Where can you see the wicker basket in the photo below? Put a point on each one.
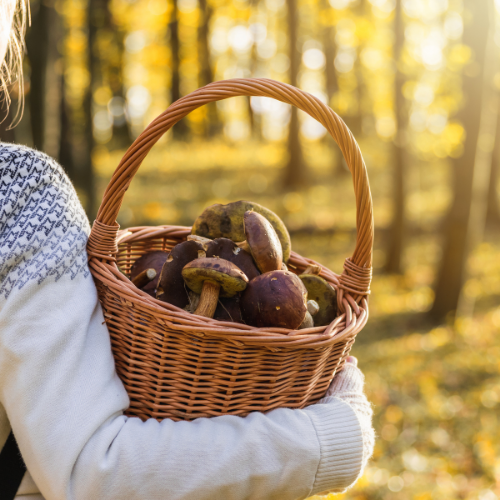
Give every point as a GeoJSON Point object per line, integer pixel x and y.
{"type": "Point", "coordinates": [181, 366]}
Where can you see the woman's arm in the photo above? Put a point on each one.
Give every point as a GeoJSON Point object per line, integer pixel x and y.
{"type": "Point", "coordinates": [64, 401]}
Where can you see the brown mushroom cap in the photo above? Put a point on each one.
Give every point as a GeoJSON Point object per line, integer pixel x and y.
{"type": "Point", "coordinates": [325, 295]}
{"type": "Point", "coordinates": [171, 287]}
{"type": "Point", "coordinates": [277, 298]}
{"type": "Point", "coordinates": [229, 250]}
{"type": "Point", "coordinates": [263, 242]}
{"type": "Point", "coordinates": [229, 277]}
{"type": "Point", "coordinates": [154, 260]}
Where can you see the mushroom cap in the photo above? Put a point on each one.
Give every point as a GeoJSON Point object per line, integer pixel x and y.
{"type": "Point", "coordinates": [277, 298]}
{"type": "Point", "coordinates": [324, 294]}
{"type": "Point", "coordinates": [171, 287]}
{"type": "Point", "coordinates": [227, 221]}
{"type": "Point", "coordinates": [230, 277]}
{"type": "Point", "coordinates": [154, 260]}
{"type": "Point", "coordinates": [263, 242]}
{"type": "Point", "coordinates": [229, 250]}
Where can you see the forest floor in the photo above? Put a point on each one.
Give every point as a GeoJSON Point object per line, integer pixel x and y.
{"type": "Point", "coordinates": [435, 389]}
{"type": "Point", "coordinates": [435, 393]}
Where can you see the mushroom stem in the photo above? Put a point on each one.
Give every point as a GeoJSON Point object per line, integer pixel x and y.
{"type": "Point", "coordinates": [245, 246]}
{"type": "Point", "coordinates": [312, 307]}
{"type": "Point", "coordinates": [199, 239]}
{"type": "Point", "coordinates": [307, 323]}
{"type": "Point", "coordinates": [142, 279]}
{"type": "Point", "coordinates": [208, 299]}
{"type": "Point", "coordinates": [312, 269]}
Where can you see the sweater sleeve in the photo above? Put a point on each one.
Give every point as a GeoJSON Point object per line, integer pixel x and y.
{"type": "Point", "coordinates": [61, 394]}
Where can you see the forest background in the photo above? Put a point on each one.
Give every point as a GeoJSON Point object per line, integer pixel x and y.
{"type": "Point", "coordinates": [417, 82]}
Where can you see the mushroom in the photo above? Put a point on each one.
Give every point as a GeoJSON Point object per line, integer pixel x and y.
{"type": "Point", "coordinates": [262, 242]}
{"type": "Point", "coordinates": [276, 298]}
{"type": "Point", "coordinates": [227, 221]}
{"type": "Point", "coordinates": [312, 269]}
{"type": "Point", "coordinates": [229, 250]}
{"type": "Point", "coordinates": [199, 239]}
{"type": "Point", "coordinates": [312, 309]}
{"type": "Point", "coordinates": [151, 260]}
{"type": "Point", "coordinates": [171, 286]}
{"type": "Point", "coordinates": [307, 323]}
{"type": "Point", "coordinates": [210, 277]}
{"type": "Point", "coordinates": [324, 294]}
{"type": "Point", "coordinates": [144, 278]}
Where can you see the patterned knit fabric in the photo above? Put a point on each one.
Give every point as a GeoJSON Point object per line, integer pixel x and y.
{"type": "Point", "coordinates": [43, 227]}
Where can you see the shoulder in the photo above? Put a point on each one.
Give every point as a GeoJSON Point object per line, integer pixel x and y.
{"type": "Point", "coordinates": [43, 227]}
{"type": "Point", "coordinates": [20, 164]}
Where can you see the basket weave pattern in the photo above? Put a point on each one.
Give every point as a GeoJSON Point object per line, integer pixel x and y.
{"type": "Point", "coordinates": [181, 366]}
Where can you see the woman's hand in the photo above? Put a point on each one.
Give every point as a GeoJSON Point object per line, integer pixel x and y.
{"type": "Point", "coordinates": [352, 360]}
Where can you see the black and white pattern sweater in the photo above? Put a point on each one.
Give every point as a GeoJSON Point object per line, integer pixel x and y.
{"type": "Point", "coordinates": [44, 229]}
{"type": "Point", "coordinates": [60, 394]}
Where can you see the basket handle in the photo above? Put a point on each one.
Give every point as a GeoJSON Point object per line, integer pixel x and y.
{"type": "Point", "coordinates": [102, 241]}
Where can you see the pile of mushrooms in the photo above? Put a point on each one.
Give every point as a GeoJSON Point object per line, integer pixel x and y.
{"type": "Point", "coordinates": [233, 268]}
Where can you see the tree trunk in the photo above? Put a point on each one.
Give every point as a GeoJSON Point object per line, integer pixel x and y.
{"type": "Point", "coordinates": [44, 91]}
{"type": "Point", "coordinates": [180, 130]}
{"type": "Point", "coordinates": [6, 116]}
{"type": "Point", "coordinates": [212, 124]}
{"type": "Point", "coordinates": [493, 208]}
{"type": "Point", "coordinates": [295, 175]}
{"type": "Point", "coordinates": [65, 155]}
{"type": "Point", "coordinates": [331, 84]}
{"type": "Point", "coordinates": [95, 20]}
{"type": "Point", "coordinates": [397, 228]}
{"type": "Point", "coordinates": [330, 51]}
{"type": "Point", "coordinates": [113, 64]}
{"type": "Point", "coordinates": [254, 119]}
{"type": "Point", "coordinates": [458, 227]}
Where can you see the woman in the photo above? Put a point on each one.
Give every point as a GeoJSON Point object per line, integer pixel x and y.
{"type": "Point", "coordinates": [60, 394]}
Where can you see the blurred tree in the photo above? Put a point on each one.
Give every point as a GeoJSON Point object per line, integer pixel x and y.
{"type": "Point", "coordinates": [111, 62]}
{"type": "Point", "coordinates": [397, 229]}
{"type": "Point", "coordinates": [331, 81]}
{"type": "Point", "coordinates": [355, 122]}
{"type": "Point", "coordinates": [180, 130]}
{"type": "Point", "coordinates": [253, 118]}
{"type": "Point", "coordinates": [330, 51]}
{"type": "Point", "coordinates": [455, 249]}
{"type": "Point", "coordinates": [206, 75]}
{"type": "Point", "coordinates": [41, 42]}
{"type": "Point", "coordinates": [295, 174]}
{"type": "Point", "coordinates": [493, 208]}
{"type": "Point", "coordinates": [7, 134]}
{"type": "Point", "coordinates": [65, 156]}
{"type": "Point", "coordinates": [96, 20]}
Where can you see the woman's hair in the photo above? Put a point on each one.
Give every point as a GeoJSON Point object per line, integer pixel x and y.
{"type": "Point", "coordinates": [11, 67]}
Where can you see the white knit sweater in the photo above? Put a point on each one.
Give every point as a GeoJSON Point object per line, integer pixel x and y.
{"type": "Point", "coordinates": [60, 393]}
